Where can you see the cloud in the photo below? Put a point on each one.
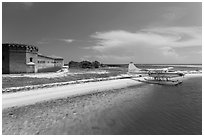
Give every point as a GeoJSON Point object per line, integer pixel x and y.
{"type": "Point", "coordinates": [67, 40]}
{"type": "Point", "coordinates": [46, 41]}
{"type": "Point", "coordinates": [180, 36]}
{"type": "Point", "coordinates": [173, 13]}
{"type": "Point", "coordinates": [27, 5]}
{"type": "Point", "coordinates": [168, 51]}
{"type": "Point", "coordinates": [42, 42]}
{"type": "Point", "coordinates": [150, 44]}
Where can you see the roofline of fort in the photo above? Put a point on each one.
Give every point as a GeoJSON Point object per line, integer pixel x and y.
{"type": "Point", "coordinates": [50, 57]}
{"type": "Point", "coordinates": [20, 45]}
{"type": "Point", "coordinates": [29, 47]}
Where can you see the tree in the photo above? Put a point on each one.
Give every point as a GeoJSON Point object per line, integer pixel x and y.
{"type": "Point", "coordinates": [86, 64]}
{"type": "Point", "coordinates": [96, 64]}
{"type": "Point", "coordinates": [73, 64]}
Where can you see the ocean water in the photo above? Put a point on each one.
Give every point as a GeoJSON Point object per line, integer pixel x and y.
{"type": "Point", "coordinates": [162, 110]}
{"type": "Point", "coordinates": [176, 67]}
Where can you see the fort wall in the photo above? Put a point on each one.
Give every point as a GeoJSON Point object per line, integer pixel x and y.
{"type": "Point", "coordinates": [58, 62]}
{"type": "Point", "coordinates": [45, 62]}
{"type": "Point", "coordinates": [21, 58]}
{"type": "Point", "coordinates": [5, 60]}
{"type": "Point", "coordinates": [17, 62]}
{"type": "Point", "coordinates": [31, 60]}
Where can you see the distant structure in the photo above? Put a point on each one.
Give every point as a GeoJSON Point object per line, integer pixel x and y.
{"type": "Point", "coordinates": [21, 58]}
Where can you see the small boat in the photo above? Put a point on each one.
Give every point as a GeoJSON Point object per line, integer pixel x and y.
{"type": "Point", "coordinates": [162, 82]}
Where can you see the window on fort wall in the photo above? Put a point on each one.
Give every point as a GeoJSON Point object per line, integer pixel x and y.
{"type": "Point", "coordinates": [31, 59]}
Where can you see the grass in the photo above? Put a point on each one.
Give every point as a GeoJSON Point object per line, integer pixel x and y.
{"type": "Point", "coordinates": [8, 82]}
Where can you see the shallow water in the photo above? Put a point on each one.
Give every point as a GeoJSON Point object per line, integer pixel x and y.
{"type": "Point", "coordinates": [144, 109]}
{"type": "Point", "coordinates": [160, 109]}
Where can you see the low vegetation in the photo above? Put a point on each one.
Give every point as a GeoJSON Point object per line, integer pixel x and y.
{"type": "Point", "coordinates": [85, 64]}
{"type": "Point", "coordinates": [73, 75]}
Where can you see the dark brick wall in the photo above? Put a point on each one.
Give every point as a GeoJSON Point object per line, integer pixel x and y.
{"type": "Point", "coordinates": [5, 60]}
{"type": "Point", "coordinates": [17, 61]}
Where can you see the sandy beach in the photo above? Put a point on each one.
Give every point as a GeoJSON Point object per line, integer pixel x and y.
{"type": "Point", "coordinates": [39, 95]}
{"type": "Point", "coordinates": [75, 115]}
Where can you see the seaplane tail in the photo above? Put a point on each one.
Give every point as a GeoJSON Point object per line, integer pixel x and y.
{"type": "Point", "coordinates": [132, 68]}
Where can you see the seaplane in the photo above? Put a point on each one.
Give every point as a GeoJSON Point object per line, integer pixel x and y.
{"type": "Point", "coordinates": [161, 76]}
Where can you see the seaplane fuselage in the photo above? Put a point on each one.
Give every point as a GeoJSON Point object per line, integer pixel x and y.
{"type": "Point", "coordinates": [163, 72]}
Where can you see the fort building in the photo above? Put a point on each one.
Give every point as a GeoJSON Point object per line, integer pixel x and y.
{"type": "Point", "coordinates": [21, 58]}
{"type": "Point", "coordinates": [49, 63]}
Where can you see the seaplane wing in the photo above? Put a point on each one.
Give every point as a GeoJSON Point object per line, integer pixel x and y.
{"type": "Point", "coordinates": [163, 72]}
{"type": "Point", "coordinates": [158, 70]}
{"type": "Point", "coordinates": [166, 74]}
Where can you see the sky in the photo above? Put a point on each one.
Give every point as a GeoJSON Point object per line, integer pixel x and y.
{"type": "Point", "coordinates": [111, 33]}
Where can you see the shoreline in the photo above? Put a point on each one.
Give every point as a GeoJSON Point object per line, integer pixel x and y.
{"type": "Point", "coordinates": [51, 85]}
{"type": "Point", "coordinates": [75, 89]}
{"type": "Point", "coordinates": [39, 95]}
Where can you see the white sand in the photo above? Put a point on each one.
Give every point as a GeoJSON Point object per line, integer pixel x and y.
{"type": "Point", "coordinates": [38, 95]}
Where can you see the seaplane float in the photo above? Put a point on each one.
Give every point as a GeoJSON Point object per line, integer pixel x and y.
{"type": "Point", "coordinates": [161, 76]}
